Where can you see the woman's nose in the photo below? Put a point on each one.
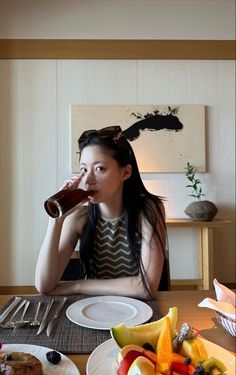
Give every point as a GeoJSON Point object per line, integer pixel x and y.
{"type": "Point", "coordinates": [89, 179]}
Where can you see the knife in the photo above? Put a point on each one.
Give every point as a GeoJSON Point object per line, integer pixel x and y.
{"type": "Point", "coordinates": [44, 320]}
{"type": "Point", "coordinates": [9, 309]}
{"type": "Point", "coordinates": [55, 317]}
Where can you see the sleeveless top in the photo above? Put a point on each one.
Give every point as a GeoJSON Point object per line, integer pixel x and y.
{"type": "Point", "coordinates": [112, 256]}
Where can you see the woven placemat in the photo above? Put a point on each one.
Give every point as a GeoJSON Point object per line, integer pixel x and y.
{"type": "Point", "coordinates": [67, 337]}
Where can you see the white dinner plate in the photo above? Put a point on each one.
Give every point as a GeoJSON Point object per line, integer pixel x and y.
{"type": "Point", "coordinates": [104, 312]}
{"type": "Point", "coordinates": [103, 359]}
{"type": "Point", "coordinates": [64, 367]}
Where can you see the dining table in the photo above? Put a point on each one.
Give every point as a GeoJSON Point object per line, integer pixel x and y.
{"type": "Point", "coordinates": [203, 319]}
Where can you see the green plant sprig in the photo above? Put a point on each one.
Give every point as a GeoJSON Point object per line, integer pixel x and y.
{"type": "Point", "coordinates": [195, 183]}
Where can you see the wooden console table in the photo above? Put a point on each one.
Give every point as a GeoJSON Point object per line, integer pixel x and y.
{"type": "Point", "coordinates": [205, 248]}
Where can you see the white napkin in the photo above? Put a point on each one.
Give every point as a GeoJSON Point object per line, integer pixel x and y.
{"type": "Point", "coordinates": [224, 294]}
{"type": "Point", "coordinates": [225, 303]}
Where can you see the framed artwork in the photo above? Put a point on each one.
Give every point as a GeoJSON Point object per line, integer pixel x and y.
{"type": "Point", "coordinates": [164, 137]}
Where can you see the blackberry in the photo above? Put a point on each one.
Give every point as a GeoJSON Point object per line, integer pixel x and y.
{"type": "Point", "coordinates": [8, 357]}
{"type": "Point", "coordinates": [53, 357]}
{"type": "Point", "coordinates": [148, 346]}
{"type": "Point", "coordinates": [200, 370]}
{"type": "Point", "coordinates": [187, 361]}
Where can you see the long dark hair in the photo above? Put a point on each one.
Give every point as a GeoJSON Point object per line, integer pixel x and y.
{"type": "Point", "coordinates": [138, 202]}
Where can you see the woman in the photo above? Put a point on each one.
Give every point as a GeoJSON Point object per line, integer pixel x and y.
{"type": "Point", "coordinates": [121, 231]}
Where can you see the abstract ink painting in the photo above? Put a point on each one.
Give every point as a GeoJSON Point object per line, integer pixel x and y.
{"type": "Point", "coordinates": [164, 137]}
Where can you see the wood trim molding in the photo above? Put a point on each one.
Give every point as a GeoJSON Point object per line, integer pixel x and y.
{"type": "Point", "coordinates": [17, 290]}
{"type": "Point", "coordinates": [117, 49]}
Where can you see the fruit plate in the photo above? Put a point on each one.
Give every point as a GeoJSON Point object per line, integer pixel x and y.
{"type": "Point", "coordinates": [64, 367]}
{"type": "Point", "coordinates": [103, 359]}
{"type": "Point", "coordinates": [105, 312]}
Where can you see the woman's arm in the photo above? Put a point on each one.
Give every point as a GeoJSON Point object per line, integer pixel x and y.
{"type": "Point", "coordinates": [59, 242]}
{"type": "Point", "coordinates": [152, 257]}
{"type": "Point", "coordinates": [125, 286]}
{"type": "Point", "coordinates": [58, 245]}
{"type": "Point", "coordinates": [54, 255]}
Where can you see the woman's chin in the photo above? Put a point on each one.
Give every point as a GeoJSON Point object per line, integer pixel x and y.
{"type": "Point", "coordinates": [93, 198]}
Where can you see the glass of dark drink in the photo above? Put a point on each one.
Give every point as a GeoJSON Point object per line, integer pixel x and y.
{"type": "Point", "coordinates": [65, 199]}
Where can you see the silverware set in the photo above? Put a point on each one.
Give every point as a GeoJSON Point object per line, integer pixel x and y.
{"type": "Point", "coordinates": [22, 322]}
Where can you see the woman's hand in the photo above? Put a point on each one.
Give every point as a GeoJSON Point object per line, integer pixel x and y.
{"type": "Point", "coordinates": [72, 183]}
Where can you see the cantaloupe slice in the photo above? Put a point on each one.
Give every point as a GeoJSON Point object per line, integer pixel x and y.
{"type": "Point", "coordinates": [144, 333]}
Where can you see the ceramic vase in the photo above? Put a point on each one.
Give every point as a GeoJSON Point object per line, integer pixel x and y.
{"type": "Point", "coordinates": [201, 210]}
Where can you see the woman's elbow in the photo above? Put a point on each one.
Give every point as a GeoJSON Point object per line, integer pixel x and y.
{"type": "Point", "coordinates": [150, 290]}
{"type": "Point", "coordinates": [42, 288]}
{"type": "Point", "coordinates": [145, 291]}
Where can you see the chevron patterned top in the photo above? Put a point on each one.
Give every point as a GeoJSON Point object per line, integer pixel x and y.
{"type": "Point", "coordinates": [112, 256]}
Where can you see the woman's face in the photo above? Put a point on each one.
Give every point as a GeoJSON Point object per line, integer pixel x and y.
{"type": "Point", "coordinates": [102, 174]}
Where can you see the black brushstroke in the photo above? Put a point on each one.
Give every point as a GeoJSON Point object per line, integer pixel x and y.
{"type": "Point", "coordinates": [152, 122]}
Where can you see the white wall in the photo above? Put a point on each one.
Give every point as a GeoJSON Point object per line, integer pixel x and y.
{"type": "Point", "coordinates": [118, 19]}
{"type": "Point", "coordinates": [35, 99]}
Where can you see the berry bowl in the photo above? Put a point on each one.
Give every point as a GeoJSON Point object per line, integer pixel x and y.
{"type": "Point", "coordinates": [228, 324]}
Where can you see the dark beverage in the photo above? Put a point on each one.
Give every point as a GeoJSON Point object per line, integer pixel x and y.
{"type": "Point", "coordinates": [61, 202]}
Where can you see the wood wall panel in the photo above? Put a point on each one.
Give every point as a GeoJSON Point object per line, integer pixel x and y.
{"type": "Point", "coordinates": [117, 49]}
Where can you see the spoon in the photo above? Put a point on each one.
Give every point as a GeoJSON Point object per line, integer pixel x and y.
{"type": "Point", "coordinates": [36, 322]}
{"type": "Point", "coordinates": [21, 323]}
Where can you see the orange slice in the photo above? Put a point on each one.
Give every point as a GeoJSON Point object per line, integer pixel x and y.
{"type": "Point", "coordinates": [164, 348]}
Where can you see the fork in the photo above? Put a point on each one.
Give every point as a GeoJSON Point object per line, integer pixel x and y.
{"type": "Point", "coordinates": [22, 322]}
{"type": "Point", "coordinates": [36, 322]}
{"type": "Point", "coordinates": [10, 323]}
